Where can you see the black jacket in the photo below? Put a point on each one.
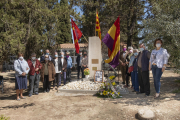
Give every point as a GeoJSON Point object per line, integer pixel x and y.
{"type": "Point", "coordinates": [60, 66]}
{"type": "Point", "coordinates": [78, 60]}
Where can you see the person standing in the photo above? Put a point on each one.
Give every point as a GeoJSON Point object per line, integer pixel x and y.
{"type": "Point", "coordinates": [47, 73]}
{"type": "Point", "coordinates": [158, 62]}
{"type": "Point", "coordinates": [21, 70]}
{"type": "Point", "coordinates": [43, 56]}
{"type": "Point", "coordinates": [84, 64]}
{"type": "Point", "coordinates": [79, 64]}
{"type": "Point", "coordinates": [34, 75]}
{"type": "Point", "coordinates": [64, 68]}
{"type": "Point", "coordinates": [134, 73]}
{"type": "Point", "coordinates": [122, 63]}
{"type": "Point", "coordinates": [69, 66]}
{"type": "Point", "coordinates": [58, 69]}
{"type": "Point", "coordinates": [127, 57]}
{"type": "Point", "coordinates": [143, 70]}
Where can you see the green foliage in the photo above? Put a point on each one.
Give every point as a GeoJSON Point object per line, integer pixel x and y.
{"type": "Point", "coordinates": [2, 117]}
{"type": "Point", "coordinates": [164, 24]}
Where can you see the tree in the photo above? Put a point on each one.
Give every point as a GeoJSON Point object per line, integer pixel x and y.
{"type": "Point", "coordinates": [164, 23]}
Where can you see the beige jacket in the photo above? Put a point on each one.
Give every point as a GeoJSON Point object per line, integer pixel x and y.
{"type": "Point", "coordinates": [85, 62]}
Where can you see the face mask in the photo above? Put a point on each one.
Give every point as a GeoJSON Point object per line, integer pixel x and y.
{"type": "Point", "coordinates": [141, 49]}
{"type": "Point", "coordinates": [67, 56]}
{"type": "Point", "coordinates": [33, 58]}
{"type": "Point", "coordinates": [47, 53]}
{"type": "Point", "coordinates": [158, 45]}
{"type": "Point", "coordinates": [130, 51]}
{"type": "Point", "coordinates": [46, 59]}
{"type": "Point", "coordinates": [62, 55]}
{"type": "Point", "coordinates": [21, 58]}
{"type": "Point", "coordinates": [56, 55]}
{"type": "Point", "coordinates": [80, 53]}
{"type": "Point", "coordinates": [124, 49]}
{"type": "Point", "coordinates": [136, 54]}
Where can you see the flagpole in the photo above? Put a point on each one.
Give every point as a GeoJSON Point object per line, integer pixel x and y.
{"type": "Point", "coordinates": [85, 38]}
{"type": "Point", "coordinates": [95, 23]}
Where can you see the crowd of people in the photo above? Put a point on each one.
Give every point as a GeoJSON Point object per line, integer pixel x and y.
{"type": "Point", "coordinates": [48, 69]}
{"type": "Point", "coordinates": [136, 65]}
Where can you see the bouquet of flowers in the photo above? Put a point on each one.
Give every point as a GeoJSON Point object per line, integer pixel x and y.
{"type": "Point", "coordinates": [86, 71]}
{"type": "Point", "coordinates": [109, 89]}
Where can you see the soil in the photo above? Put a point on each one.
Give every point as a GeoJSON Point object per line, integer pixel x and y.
{"type": "Point", "coordinates": [48, 106]}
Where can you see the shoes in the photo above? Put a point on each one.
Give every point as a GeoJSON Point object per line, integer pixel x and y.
{"type": "Point", "coordinates": [125, 86]}
{"type": "Point", "coordinates": [137, 92]}
{"type": "Point", "coordinates": [30, 95]}
{"type": "Point", "coordinates": [133, 91]}
{"type": "Point", "coordinates": [36, 93]}
{"type": "Point", "coordinates": [18, 99]}
{"type": "Point", "coordinates": [123, 82]}
{"type": "Point", "coordinates": [48, 91]}
{"type": "Point", "coordinates": [146, 95]}
{"type": "Point", "coordinates": [23, 97]}
{"type": "Point", "coordinates": [44, 91]}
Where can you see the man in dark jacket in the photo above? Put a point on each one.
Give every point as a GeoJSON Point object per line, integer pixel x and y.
{"type": "Point", "coordinates": [143, 70]}
{"type": "Point", "coordinates": [47, 53]}
{"type": "Point", "coordinates": [79, 64]}
{"type": "Point", "coordinates": [34, 75]}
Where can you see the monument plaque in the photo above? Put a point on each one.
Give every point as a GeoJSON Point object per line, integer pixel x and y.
{"type": "Point", "coordinates": [94, 55]}
{"type": "Point", "coordinates": [95, 61]}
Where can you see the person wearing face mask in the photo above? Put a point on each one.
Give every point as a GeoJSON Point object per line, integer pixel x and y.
{"type": "Point", "coordinates": [34, 75]}
{"type": "Point", "coordinates": [58, 68]}
{"type": "Point", "coordinates": [64, 68]}
{"type": "Point", "coordinates": [122, 63]}
{"type": "Point", "coordinates": [21, 70]}
{"type": "Point", "coordinates": [42, 59]}
{"type": "Point", "coordinates": [69, 66]}
{"type": "Point", "coordinates": [84, 63]}
{"type": "Point", "coordinates": [134, 73]}
{"type": "Point", "coordinates": [79, 64]}
{"type": "Point", "coordinates": [158, 62]}
{"type": "Point", "coordinates": [143, 70]}
{"type": "Point", "coordinates": [127, 57]}
{"type": "Point", "coordinates": [47, 73]}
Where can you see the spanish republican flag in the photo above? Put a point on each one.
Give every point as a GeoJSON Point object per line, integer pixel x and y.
{"type": "Point", "coordinates": [98, 26]}
{"type": "Point", "coordinates": [76, 34]}
{"type": "Point", "coordinates": [112, 41]}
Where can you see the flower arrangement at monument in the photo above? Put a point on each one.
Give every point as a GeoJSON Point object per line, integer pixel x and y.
{"type": "Point", "coordinates": [109, 89]}
{"type": "Point", "coordinates": [86, 71]}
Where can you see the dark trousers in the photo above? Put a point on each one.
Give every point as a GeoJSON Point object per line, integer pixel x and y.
{"type": "Point", "coordinates": [135, 82]}
{"type": "Point", "coordinates": [34, 83]}
{"type": "Point", "coordinates": [83, 68]}
{"type": "Point", "coordinates": [46, 83]}
{"type": "Point", "coordinates": [157, 73]}
{"type": "Point", "coordinates": [64, 77]}
{"type": "Point", "coordinates": [80, 68]}
{"type": "Point", "coordinates": [143, 77]}
{"type": "Point", "coordinates": [57, 80]}
{"type": "Point", "coordinates": [68, 74]}
{"type": "Point", "coordinates": [127, 76]}
{"type": "Point", "coordinates": [123, 72]}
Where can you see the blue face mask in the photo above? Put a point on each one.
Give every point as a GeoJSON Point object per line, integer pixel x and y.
{"type": "Point", "coordinates": [62, 55]}
{"type": "Point", "coordinates": [136, 54]}
{"type": "Point", "coordinates": [47, 53]}
{"type": "Point", "coordinates": [56, 55]}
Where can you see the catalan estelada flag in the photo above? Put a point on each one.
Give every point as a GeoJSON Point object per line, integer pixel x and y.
{"type": "Point", "coordinates": [112, 41]}
{"type": "Point", "coordinates": [98, 26]}
{"type": "Point", "coordinates": [76, 34]}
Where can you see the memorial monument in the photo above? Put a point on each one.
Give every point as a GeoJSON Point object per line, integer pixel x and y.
{"type": "Point", "coordinates": [94, 55]}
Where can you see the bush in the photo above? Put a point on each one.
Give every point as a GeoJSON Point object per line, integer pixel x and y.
{"type": "Point", "coordinates": [2, 117]}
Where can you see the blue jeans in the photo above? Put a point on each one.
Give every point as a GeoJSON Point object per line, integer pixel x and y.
{"type": "Point", "coordinates": [134, 78]}
{"type": "Point", "coordinates": [157, 73]}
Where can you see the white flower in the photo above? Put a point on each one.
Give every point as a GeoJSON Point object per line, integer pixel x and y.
{"type": "Point", "coordinates": [101, 93]}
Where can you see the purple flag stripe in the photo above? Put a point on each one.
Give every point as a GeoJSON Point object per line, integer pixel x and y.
{"type": "Point", "coordinates": [115, 62]}
{"type": "Point", "coordinates": [108, 41]}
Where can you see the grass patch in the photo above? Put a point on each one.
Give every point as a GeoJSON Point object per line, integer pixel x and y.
{"type": "Point", "coordinates": [177, 91]}
{"type": "Point", "coordinates": [2, 117]}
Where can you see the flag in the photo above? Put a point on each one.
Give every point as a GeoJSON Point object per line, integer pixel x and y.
{"type": "Point", "coordinates": [112, 41]}
{"type": "Point", "coordinates": [98, 26]}
{"type": "Point", "coordinates": [76, 34]}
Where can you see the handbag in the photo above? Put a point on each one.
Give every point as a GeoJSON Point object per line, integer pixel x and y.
{"type": "Point", "coordinates": [130, 69]}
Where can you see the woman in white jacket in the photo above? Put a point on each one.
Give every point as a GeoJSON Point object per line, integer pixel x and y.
{"type": "Point", "coordinates": [21, 70]}
{"type": "Point", "coordinates": [158, 62]}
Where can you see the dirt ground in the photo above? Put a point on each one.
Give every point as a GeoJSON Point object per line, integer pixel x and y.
{"type": "Point", "coordinates": [48, 106]}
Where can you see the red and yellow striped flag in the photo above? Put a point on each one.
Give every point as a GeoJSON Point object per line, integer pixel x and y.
{"type": "Point", "coordinates": [98, 26]}
{"type": "Point", "coordinates": [76, 34]}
